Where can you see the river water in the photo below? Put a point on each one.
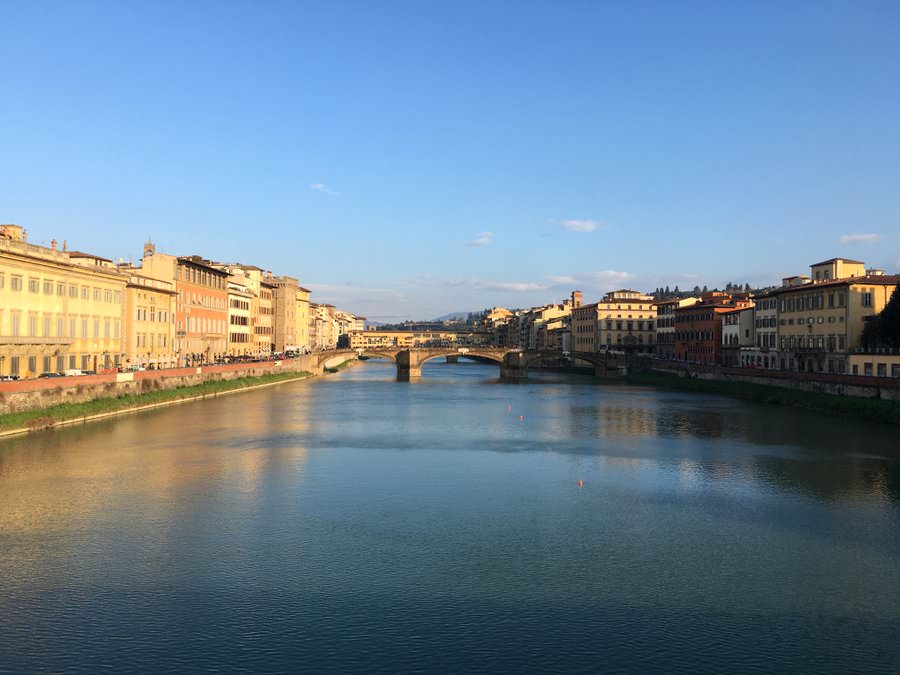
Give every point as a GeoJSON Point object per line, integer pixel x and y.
{"type": "Point", "coordinates": [356, 524]}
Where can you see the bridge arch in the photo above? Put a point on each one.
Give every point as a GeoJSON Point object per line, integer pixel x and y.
{"type": "Point", "coordinates": [454, 352]}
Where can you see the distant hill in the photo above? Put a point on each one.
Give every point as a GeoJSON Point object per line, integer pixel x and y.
{"type": "Point", "coordinates": [453, 316]}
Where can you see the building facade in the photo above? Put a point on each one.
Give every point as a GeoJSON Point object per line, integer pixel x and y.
{"type": "Point", "coordinates": [57, 312]}
{"type": "Point", "coordinates": [149, 338]}
{"type": "Point", "coordinates": [698, 327]}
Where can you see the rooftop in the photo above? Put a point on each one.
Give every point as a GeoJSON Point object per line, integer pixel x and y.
{"type": "Point", "coordinates": [833, 260]}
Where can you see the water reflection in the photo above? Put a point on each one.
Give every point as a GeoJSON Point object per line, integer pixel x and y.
{"type": "Point", "coordinates": [339, 517]}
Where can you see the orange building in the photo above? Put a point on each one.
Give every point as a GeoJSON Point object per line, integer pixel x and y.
{"type": "Point", "coordinates": [201, 314]}
{"type": "Point", "coordinates": [698, 328]}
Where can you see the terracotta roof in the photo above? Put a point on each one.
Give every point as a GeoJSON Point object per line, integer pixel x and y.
{"type": "Point", "coordinates": [831, 260]}
{"type": "Point", "coordinates": [79, 254]}
{"type": "Point", "coordinates": [877, 280]}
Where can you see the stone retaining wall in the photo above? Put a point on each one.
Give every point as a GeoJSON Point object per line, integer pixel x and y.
{"type": "Point", "coordinates": [25, 395]}
{"type": "Point", "coordinates": [886, 388]}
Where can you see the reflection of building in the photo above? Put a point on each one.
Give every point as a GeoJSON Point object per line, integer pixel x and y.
{"type": "Point", "coordinates": [58, 310]}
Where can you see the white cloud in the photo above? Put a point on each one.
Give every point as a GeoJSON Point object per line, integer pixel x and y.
{"type": "Point", "coordinates": [487, 284]}
{"type": "Point", "coordinates": [320, 187]}
{"type": "Point", "coordinates": [565, 279]}
{"type": "Point", "coordinates": [483, 239]}
{"type": "Point", "coordinates": [580, 225]}
{"type": "Point", "coordinates": [870, 238]}
{"type": "Point", "coordinates": [608, 276]}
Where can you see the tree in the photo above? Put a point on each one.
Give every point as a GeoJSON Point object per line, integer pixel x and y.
{"type": "Point", "coordinates": [883, 329]}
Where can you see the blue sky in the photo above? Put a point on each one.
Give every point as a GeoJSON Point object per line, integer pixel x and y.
{"type": "Point", "coordinates": [409, 159]}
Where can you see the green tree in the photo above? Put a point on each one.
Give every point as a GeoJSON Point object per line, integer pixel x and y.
{"type": "Point", "coordinates": [883, 329]}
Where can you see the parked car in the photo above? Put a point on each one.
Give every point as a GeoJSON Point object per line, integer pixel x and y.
{"type": "Point", "coordinates": [8, 378]}
{"type": "Point", "coordinates": [45, 375]}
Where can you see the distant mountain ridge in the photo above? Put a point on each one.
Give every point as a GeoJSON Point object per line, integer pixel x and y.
{"type": "Point", "coordinates": [453, 316]}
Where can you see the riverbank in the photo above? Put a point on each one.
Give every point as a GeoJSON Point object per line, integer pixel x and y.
{"type": "Point", "coordinates": [875, 410]}
{"type": "Point", "coordinates": [64, 414]}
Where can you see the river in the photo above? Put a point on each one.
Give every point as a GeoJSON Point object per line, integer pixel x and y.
{"type": "Point", "coordinates": [352, 523]}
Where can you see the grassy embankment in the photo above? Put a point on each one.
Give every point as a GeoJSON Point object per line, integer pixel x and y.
{"type": "Point", "coordinates": [48, 417]}
{"type": "Point", "coordinates": [876, 410]}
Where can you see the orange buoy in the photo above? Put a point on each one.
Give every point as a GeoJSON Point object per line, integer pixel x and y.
{"type": "Point", "coordinates": [580, 483]}
{"type": "Point", "coordinates": [521, 417]}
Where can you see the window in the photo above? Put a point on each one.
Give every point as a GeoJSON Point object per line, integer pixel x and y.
{"type": "Point", "coordinates": [14, 365]}
{"type": "Point", "coordinates": [32, 325]}
{"type": "Point", "coordinates": [60, 327]}
{"type": "Point", "coordinates": [73, 291]}
{"type": "Point", "coordinates": [867, 299]}
{"type": "Point", "coordinates": [16, 283]}
{"type": "Point", "coordinates": [46, 332]}
{"type": "Point", "coordinates": [85, 293]}
{"type": "Point", "coordinates": [96, 295]}
{"type": "Point", "coordinates": [32, 365]}
{"type": "Point", "coordinates": [16, 319]}
{"type": "Point", "coordinates": [48, 288]}
{"type": "Point", "coordinates": [60, 289]}
{"type": "Point", "coordinates": [2, 279]}
{"type": "Point", "coordinates": [33, 285]}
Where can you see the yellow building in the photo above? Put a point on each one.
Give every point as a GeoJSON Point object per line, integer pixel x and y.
{"type": "Point", "coordinates": [301, 315]}
{"type": "Point", "coordinates": [285, 317]}
{"type": "Point", "coordinates": [58, 311]}
{"type": "Point", "coordinates": [262, 304]}
{"type": "Point", "coordinates": [875, 363]}
{"type": "Point", "coordinates": [149, 339]}
{"type": "Point", "coordinates": [821, 317]}
{"type": "Point", "coordinates": [624, 319]}
{"type": "Point", "coordinates": [240, 329]}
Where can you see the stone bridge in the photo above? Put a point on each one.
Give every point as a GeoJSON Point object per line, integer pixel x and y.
{"type": "Point", "coordinates": [513, 363]}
